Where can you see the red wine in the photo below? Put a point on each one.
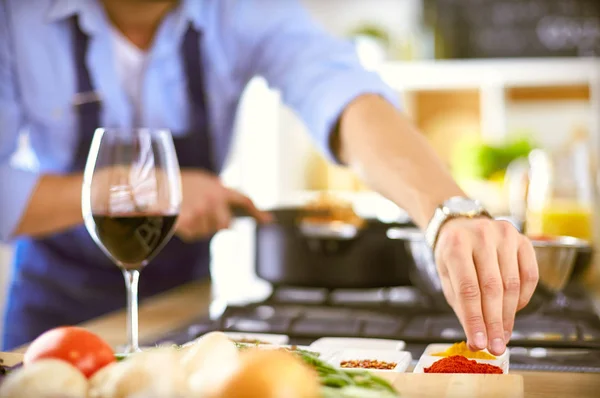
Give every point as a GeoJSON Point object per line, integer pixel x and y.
{"type": "Point", "coordinates": [133, 239]}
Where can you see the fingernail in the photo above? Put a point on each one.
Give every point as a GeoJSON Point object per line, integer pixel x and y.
{"type": "Point", "coordinates": [480, 340]}
{"type": "Point", "coordinates": [498, 346]}
{"type": "Point", "coordinates": [507, 336]}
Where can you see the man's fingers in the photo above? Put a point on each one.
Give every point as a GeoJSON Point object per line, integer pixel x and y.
{"type": "Point", "coordinates": [222, 216]}
{"type": "Point", "coordinates": [511, 280]}
{"type": "Point", "coordinates": [195, 222]}
{"type": "Point", "coordinates": [237, 199]}
{"type": "Point", "coordinates": [490, 285]}
{"type": "Point", "coordinates": [528, 271]}
{"type": "Point", "coordinates": [448, 290]}
{"type": "Point", "coordinates": [459, 262]}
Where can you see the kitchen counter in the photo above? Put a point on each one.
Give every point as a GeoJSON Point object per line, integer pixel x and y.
{"type": "Point", "coordinates": [178, 307]}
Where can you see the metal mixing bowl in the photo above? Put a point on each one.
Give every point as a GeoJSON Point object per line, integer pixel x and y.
{"type": "Point", "coordinates": [556, 258]}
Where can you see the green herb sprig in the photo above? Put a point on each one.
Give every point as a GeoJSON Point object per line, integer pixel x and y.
{"type": "Point", "coordinates": [333, 378]}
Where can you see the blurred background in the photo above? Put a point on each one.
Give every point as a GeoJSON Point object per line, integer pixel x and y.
{"type": "Point", "coordinates": [506, 91]}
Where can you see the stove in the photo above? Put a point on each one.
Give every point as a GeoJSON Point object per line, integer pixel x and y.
{"type": "Point", "coordinates": [562, 336]}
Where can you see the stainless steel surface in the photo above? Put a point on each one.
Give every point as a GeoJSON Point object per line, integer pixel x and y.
{"type": "Point", "coordinates": [541, 352]}
{"type": "Point", "coordinates": [556, 258]}
{"type": "Point", "coordinates": [424, 274]}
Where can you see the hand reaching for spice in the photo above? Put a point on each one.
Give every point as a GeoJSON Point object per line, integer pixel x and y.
{"type": "Point", "coordinates": [488, 272]}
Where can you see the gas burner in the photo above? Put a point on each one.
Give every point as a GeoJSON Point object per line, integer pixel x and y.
{"type": "Point", "coordinates": [408, 297]}
{"type": "Point", "coordinates": [405, 296]}
{"type": "Point", "coordinates": [399, 313]}
{"type": "Point", "coordinates": [299, 295]}
{"type": "Point", "coordinates": [342, 297]}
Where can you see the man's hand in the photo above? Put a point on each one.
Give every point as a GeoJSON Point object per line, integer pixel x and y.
{"type": "Point", "coordinates": [488, 272]}
{"type": "Point", "coordinates": [207, 206]}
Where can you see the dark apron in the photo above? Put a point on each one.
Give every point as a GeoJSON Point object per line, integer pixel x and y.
{"type": "Point", "coordinates": [66, 279]}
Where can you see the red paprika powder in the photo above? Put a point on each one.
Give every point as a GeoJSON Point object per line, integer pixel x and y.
{"type": "Point", "coordinates": [460, 364]}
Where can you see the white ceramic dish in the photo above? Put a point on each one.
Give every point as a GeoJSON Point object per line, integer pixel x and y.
{"type": "Point", "coordinates": [400, 358]}
{"type": "Point", "coordinates": [277, 339]}
{"type": "Point", "coordinates": [427, 359]}
{"type": "Point", "coordinates": [342, 343]}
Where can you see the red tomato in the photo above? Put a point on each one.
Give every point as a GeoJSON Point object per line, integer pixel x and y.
{"type": "Point", "coordinates": [83, 349]}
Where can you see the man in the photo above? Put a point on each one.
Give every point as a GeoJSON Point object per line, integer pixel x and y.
{"type": "Point", "coordinates": [182, 65]}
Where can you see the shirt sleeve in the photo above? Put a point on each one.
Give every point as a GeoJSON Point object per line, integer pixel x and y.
{"type": "Point", "coordinates": [17, 185]}
{"type": "Point", "coordinates": [317, 74]}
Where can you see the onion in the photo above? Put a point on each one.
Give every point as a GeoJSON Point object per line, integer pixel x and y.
{"type": "Point", "coordinates": [271, 374]}
{"type": "Point", "coordinates": [209, 362]}
{"type": "Point", "coordinates": [155, 373]}
{"type": "Point", "coordinates": [45, 378]}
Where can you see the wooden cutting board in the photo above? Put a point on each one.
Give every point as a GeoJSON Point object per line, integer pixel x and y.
{"type": "Point", "coordinates": [421, 385]}
{"type": "Point", "coordinates": [10, 358]}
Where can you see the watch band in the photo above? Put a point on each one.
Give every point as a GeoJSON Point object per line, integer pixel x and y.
{"type": "Point", "coordinates": [442, 215]}
{"type": "Point", "coordinates": [434, 226]}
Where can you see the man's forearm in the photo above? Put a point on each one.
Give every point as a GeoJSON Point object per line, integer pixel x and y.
{"type": "Point", "coordinates": [393, 158]}
{"type": "Point", "coordinates": [55, 205]}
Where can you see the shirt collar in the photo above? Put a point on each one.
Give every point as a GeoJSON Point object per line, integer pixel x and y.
{"type": "Point", "coordinates": [191, 11]}
{"type": "Point", "coordinates": [89, 11]}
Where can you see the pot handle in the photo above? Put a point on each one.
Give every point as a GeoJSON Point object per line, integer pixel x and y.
{"type": "Point", "coordinates": [330, 230]}
{"type": "Point", "coordinates": [408, 234]}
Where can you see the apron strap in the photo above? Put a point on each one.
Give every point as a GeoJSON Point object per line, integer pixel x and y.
{"type": "Point", "coordinates": [86, 101]}
{"type": "Point", "coordinates": [194, 71]}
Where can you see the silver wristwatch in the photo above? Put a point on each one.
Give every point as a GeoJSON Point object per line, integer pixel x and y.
{"type": "Point", "coordinates": [452, 208]}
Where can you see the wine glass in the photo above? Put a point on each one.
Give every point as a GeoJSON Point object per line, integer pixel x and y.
{"type": "Point", "coordinates": [130, 201]}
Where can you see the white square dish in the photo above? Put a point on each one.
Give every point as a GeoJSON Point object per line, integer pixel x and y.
{"type": "Point", "coordinates": [342, 343]}
{"type": "Point", "coordinates": [400, 358]}
{"type": "Point", "coordinates": [427, 359]}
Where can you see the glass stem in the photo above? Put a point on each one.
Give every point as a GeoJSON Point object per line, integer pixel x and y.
{"type": "Point", "coordinates": [131, 282]}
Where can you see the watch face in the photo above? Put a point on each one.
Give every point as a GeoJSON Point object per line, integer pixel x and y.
{"type": "Point", "coordinates": [462, 206]}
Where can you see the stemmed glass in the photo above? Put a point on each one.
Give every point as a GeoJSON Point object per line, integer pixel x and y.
{"type": "Point", "coordinates": [130, 201]}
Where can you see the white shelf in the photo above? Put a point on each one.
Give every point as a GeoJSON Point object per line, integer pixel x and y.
{"type": "Point", "coordinates": [457, 74]}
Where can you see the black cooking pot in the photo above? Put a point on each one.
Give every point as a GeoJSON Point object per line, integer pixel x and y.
{"type": "Point", "coordinates": [331, 255]}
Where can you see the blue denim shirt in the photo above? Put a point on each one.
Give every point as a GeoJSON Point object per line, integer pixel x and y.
{"type": "Point", "coordinates": [317, 74]}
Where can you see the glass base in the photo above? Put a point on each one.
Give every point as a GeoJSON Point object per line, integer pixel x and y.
{"type": "Point", "coordinates": [124, 350]}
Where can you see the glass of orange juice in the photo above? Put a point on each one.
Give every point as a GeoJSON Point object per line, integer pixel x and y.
{"type": "Point", "coordinates": [560, 194]}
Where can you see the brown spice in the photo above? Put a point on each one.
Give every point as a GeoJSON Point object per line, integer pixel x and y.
{"type": "Point", "coordinates": [368, 364]}
{"type": "Point", "coordinates": [460, 364]}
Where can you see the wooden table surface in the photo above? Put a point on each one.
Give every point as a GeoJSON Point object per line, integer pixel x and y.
{"type": "Point", "coordinates": [176, 308]}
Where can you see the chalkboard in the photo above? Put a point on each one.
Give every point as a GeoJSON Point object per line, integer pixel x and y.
{"type": "Point", "coordinates": [517, 28]}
